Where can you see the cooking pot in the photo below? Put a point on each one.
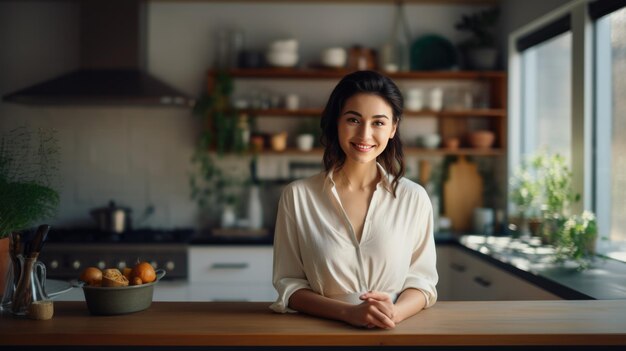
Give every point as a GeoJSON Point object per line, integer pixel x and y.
{"type": "Point", "coordinates": [112, 219]}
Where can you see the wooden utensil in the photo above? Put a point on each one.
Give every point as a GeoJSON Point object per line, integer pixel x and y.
{"type": "Point", "coordinates": [462, 193]}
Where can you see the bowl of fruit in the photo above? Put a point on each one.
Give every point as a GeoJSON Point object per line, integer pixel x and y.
{"type": "Point", "coordinates": [111, 291]}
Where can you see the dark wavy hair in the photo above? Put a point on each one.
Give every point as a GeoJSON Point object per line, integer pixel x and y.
{"type": "Point", "coordinates": [369, 82]}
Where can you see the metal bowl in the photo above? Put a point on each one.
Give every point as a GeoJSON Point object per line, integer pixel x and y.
{"type": "Point", "coordinates": [108, 301]}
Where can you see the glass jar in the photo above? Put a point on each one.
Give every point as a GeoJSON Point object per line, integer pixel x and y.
{"type": "Point", "coordinates": [29, 289]}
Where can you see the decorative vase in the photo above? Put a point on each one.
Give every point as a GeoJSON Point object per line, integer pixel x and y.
{"type": "Point", "coordinates": [395, 53]}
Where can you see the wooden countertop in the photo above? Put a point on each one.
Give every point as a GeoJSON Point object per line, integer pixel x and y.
{"type": "Point", "coordinates": [493, 323]}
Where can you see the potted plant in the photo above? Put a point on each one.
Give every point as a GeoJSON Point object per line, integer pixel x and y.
{"type": "Point", "coordinates": [212, 186]}
{"type": "Point", "coordinates": [480, 48]}
{"type": "Point", "coordinates": [215, 185]}
{"type": "Point", "coordinates": [215, 109]}
{"type": "Point", "coordinates": [543, 184]}
{"type": "Point", "coordinates": [576, 240]}
{"type": "Point", "coordinates": [524, 194]}
{"type": "Point", "coordinates": [308, 133]}
{"type": "Point", "coordinates": [29, 162]}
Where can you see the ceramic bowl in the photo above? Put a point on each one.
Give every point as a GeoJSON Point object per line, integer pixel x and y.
{"type": "Point", "coordinates": [281, 58]}
{"type": "Point", "coordinates": [482, 139]}
{"type": "Point", "coordinates": [334, 57]}
{"type": "Point", "coordinates": [430, 141]}
{"type": "Point", "coordinates": [108, 301]}
{"type": "Point", "coordinates": [284, 45]}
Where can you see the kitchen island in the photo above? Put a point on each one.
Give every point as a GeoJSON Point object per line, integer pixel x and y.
{"type": "Point", "coordinates": [241, 325]}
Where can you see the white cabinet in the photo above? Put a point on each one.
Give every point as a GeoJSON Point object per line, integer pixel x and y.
{"type": "Point", "coordinates": [466, 277]}
{"type": "Point", "coordinates": [443, 262]}
{"type": "Point", "coordinates": [231, 273]}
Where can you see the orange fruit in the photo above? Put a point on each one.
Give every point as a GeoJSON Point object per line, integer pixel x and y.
{"type": "Point", "coordinates": [145, 272]}
{"type": "Point", "coordinates": [127, 271]}
{"type": "Point", "coordinates": [91, 276]}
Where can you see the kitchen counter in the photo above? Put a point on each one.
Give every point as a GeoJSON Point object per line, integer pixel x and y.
{"type": "Point", "coordinates": [451, 324]}
{"type": "Point", "coordinates": [604, 279]}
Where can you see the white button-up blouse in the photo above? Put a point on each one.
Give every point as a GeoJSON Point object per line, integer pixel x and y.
{"type": "Point", "coordinates": [315, 246]}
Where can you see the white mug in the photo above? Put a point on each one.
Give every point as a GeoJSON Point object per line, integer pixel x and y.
{"type": "Point", "coordinates": [305, 142]}
{"type": "Point", "coordinates": [414, 100]}
{"type": "Point", "coordinates": [436, 99]}
{"type": "Point", "coordinates": [292, 102]}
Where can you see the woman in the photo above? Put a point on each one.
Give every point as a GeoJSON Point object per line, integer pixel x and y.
{"type": "Point", "coordinates": [355, 243]}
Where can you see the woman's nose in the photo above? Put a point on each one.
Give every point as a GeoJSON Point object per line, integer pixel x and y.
{"type": "Point", "coordinates": [365, 131]}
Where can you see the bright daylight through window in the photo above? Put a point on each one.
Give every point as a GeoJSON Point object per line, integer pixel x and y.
{"type": "Point", "coordinates": [610, 114]}
{"type": "Point", "coordinates": [546, 72]}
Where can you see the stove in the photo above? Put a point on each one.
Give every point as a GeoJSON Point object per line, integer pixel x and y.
{"type": "Point", "coordinates": [68, 251]}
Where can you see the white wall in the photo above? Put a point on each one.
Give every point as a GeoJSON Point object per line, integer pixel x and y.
{"type": "Point", "coordinates": [140, 156]}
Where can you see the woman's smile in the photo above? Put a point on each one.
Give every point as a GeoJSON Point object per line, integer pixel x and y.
{"type": "Point", "coordinates": [362, 147]}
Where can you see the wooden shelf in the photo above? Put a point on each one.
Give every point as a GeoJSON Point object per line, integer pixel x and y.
{"type": "Point", "coordinates": [316, 112]}
{"type": "Point", "coordinates": [411, 151]}
{"type": "Point", "coordinates": [321, 73]}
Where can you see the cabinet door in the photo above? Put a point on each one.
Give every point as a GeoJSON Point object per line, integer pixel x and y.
{"type": "Point", "coordinates": [462, 283]}
{"type": "Point", "coordinates": [444, 271]}
{"type": "Point", "coordinates": [230, 264]}
{"type": "Point", "coordinates": [232, 292]}
{"type": "Point", "coordinates": [231, 273]}
{"type": "Point", "coordinates": [171, 291]}
{"type": "Point", "coordinates": [479, 280]}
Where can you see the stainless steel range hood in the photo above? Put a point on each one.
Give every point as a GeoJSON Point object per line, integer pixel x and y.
{"type": "Point", "coordinates": [112, 63]}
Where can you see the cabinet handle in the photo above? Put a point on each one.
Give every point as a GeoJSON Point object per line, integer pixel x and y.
{"type": "Point", "coordinates": [226, 265]}
{"type": "Point", "coordinates": [482, 282]}
{"type": "Point", "coordinates": [457, 267]}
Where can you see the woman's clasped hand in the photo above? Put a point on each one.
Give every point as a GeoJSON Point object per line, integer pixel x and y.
{"type": "Point", "coordinates": [376, 310]}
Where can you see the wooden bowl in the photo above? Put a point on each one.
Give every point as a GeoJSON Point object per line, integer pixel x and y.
{"type": "Point", "coordinates": [482, 139]}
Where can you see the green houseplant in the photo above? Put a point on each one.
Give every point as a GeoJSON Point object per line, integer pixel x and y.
{"type": "Point", "coordinates": [29, 162]}
{"type": "Point", "coordinates": [214, 185]}
{"type": "Point", "coordinates": [480, 48]}
{"type": "Point", "coordinates": [542, 186]}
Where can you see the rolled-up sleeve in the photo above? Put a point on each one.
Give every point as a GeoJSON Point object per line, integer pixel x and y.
{"type": "Point", "coordinates": [288, 275]}
{"type": "Point", "coordinates": [423, 268]}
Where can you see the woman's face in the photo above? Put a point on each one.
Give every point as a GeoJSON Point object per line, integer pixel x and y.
{"type": "Point", "coordinates": [365, 126]}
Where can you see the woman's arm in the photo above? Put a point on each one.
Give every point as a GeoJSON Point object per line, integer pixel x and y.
{"type": "Point", "coordinates": [409, 303]}
{"type": "Point", "coordinates": [368, 313]}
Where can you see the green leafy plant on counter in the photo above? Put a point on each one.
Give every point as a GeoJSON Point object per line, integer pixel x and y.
{"type": "Point", "coordinates": [29, 164]}
{"type": "Point", "coordinates": [541, 188]}
{"type": "Point", "coordinates": [577, 239]}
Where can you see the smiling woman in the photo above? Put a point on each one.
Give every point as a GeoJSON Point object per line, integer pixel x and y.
{"type": "Point", "coordinates": [355, 242]}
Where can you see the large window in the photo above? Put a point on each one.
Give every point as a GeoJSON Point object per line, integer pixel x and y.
{"type": "Point", "coordinates": [546, 113]}
{"type": "Point", "coordinates": [568, 94]}
{"type": "Point", "coordinates": [610, 116]}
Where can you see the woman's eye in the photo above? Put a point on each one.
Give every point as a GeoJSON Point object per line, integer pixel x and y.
{"type": "Point", "coordinates": [352, 120]}
{"type": "Point", "coordinates": [379, 123]}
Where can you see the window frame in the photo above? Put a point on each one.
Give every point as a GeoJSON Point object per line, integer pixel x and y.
{"type": "Point", "coordinates": [588, 104]}
{"type": "Point", "coordinates": [581, 27]}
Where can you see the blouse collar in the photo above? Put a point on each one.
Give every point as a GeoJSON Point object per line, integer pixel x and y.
{"type": "Point", "coordinates": [384, 181]}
